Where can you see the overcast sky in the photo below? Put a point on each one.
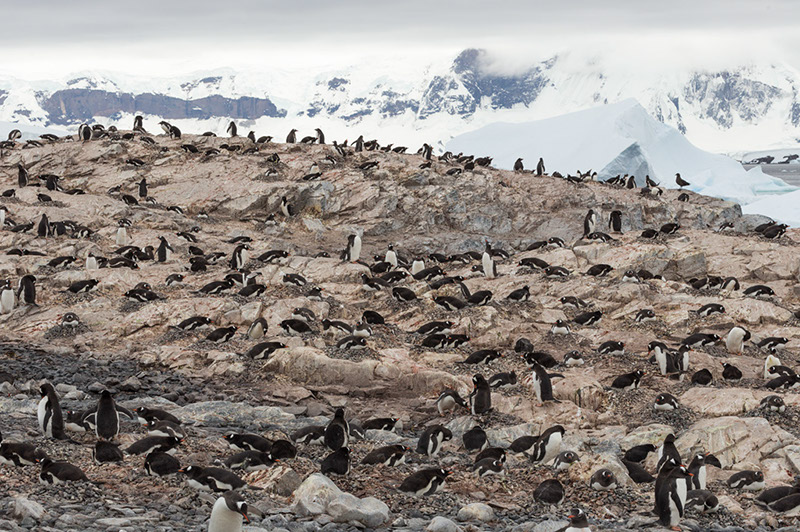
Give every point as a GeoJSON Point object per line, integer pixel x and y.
{"type": "Point", "coordinates": [44, 39]}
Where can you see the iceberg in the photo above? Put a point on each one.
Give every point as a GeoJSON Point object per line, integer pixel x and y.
{"type": "Point", "coordinates": [620, 138]}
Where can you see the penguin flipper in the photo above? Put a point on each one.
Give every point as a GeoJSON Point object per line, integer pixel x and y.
{"type": "Point", "coordinates": [130, 415]}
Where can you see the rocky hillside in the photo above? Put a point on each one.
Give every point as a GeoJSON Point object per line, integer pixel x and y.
{"type": "Point", "coordinates": [209, 193]}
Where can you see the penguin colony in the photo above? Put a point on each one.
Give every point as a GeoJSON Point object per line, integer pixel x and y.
{"type": "Point", "coordinates": [451, 284]}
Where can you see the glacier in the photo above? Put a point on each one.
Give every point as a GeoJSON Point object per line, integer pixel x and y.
{"type": "Point", "coordinates": [624, 138]}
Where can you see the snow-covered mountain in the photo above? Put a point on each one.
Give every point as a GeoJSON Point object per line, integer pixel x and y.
{"type": "Point", "coordinates": [743, 108]}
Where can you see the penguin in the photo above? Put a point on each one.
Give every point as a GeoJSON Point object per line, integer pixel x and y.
{"type": "Point", "coordinates": [638, 473]}
{"type": "Point", "coordinates": [587, 319]}
{"type": "Point", "coordinates": [51, 419]}
{"type": "Point", "coordinates": [391, 256]}
{"type": "Point", "coordinates": [107, 419]}
{"type": "Point", "coordinates": [122, 238]}
{"type": "Point", "coordinates": [26, 291]}
{"type": "Point", "coordinates": [475, 439]}
{"type": "Point", "coordinates": [639, 452]}
{"type": "Point", "coordinates": [697, 468]}
{"type": "Point", "coordinates": [482, 356]}
{"type": "Point", "coordinates": [773, 403]}
{"type": "Point", "coordinates": [731, 372]}
{"type": "Point", "coordinates": [518, 166]}
{"type": "Point", "coordinates": [736, 339]}
{"type": "Point", "coordinates": [194, 323]}
{"type": "Point", "coordinates": [105, 451]}
{"type": "Point", "coordinates": [560, 327]}
{"type": "Point", "coordinates": [211, 479]}
{"type": "Point", "coordinates": [773, 343]}
{"type": "Point", "coordinates": [643, 315]}
{"type": "Point", "coordinates": [480, 400]}
{"type": "Point", "coordinates": [43, 228]}
{"type": "Point", "coordinates": [425, 481]}
{"type": "Point", "coordinates": [164, 250]}
{"type": "Point", "coordinates": [353, 250]}
{"type": "Point", "coordinates": [573, 358]}
{"type": "Point", "coordinates": [702, 377]}
{"type": "Point", "coordinates": [628, 381]}
{"type": "Point", "coordinates": [759, 290]}
{"type": "Point", "coordinates": [320, 136]}
{"type": "Point", "coordinates": [615, 221]}
{"type": "Point", "coordinates": [291, 138]}
{"type": "Point", "coordinates": [603, 480]}
{"type": "Point", "coordinates": [60, 472]}
{"type": "Point", "coordinates": [7, 297]}
{"type": "Point", "coordinates": [489, 266]}
{"type": "Point", "coordinates": [520, 294]}
{"type": "Point", "coordinates": [747, 480]}
{"type": "Point", "coordinates": [488, 466]}
{"type": "Point", "coordinates": [232, 129]}
{"type": "Point", "coordinates": [22, 175]}
{"type": "Point", "coordinates": [503, 380]}
{"type": "Point", "coordinates": [138, 123]}
{"type": "Point", "coordinates": [390, 455]}
{"type": "Point", "coordinates": [494, 453]}
{"type": "Point", "coordinates": [143, 188]}
{"type": "Point", "coordinates": [337, 432]}
{"type": "Point", "coordinates": [431, 440]}
{"type": "Point", "coordinates": [548, 445]}
{"type": "Point", "coordinates": [540, 169]}
{"type": "Point", "coordinates": [769, 362]}
{"type": "Point", "coordinates": [338, 462]}
{"type": "Point", "coordinates": [239, 257]}
{"type": "Point", "coordinates": [287, 209]}
{"type": "Point", "coordinates": [228, 510]}
{"type": "Point", "coordinates": [448, 400]}
{"type": "Point", "coordinates": [542, 385]}
{"type": "Point", "coordinates": [380, 423]}
{"type": "Point", "coordinates": [589, 222]}
{"type": "Point", "coordinates": [702, 500]}
{"type": "Point", "coordinates": [578, 522]}
{"type": "Point", "coordinates": [165, 428]}
{"type": "Point", "coordinates": [221, 335]}
{"type": "Point", "coordinates": [668, 453]}
{"type": "Point", "coordinates": [565, 459]}
{"type": "Point", "coordinates": [769, 496]}
{"type": "Point", "coordinates": [665, 402]}
{"type": "Point", "coordinates": [670, 495]}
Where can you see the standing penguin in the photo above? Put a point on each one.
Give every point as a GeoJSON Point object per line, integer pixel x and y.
{"type": "Point", "coordinates": [541, 384]}
{"type": "Point", "coordinates": [143, 188]}
{"type": "Point", "coordinates": [122, 233]}
{"type": "Point", "coordinates": [489, 267]}
{"type": "Point", "coordinates": [391, 256]}
{"type": "Point", "coordinates": [232, 129]}
{"type": "Point", "coordinates": [291, 138]}
{"type": "Point", "coordinates": [698, 470]}
{"type": "Point", "coordinates": [548, 445]}
{"type": "Point", "coordinates": [518, 166]}
{"type": "Point", "coordinates": [22, 175]}
{"type": "Point", "coordinates": [337, 433]}
{"type": "Point", "coordinates": [107, 418]}
{"type": "Point", "coordinates": [138, 123]}
{"type": "Point", "coordinates": [615, 221]}
{"type": "Point", "coordinates": [239, 257]}
{"type": "Point", "coordinates": [43, 229]}
{"type": "Point", "coordinates": [7, 298]}
{"type": "Point", "coordinates": [736, 339]}
{"type": "Point", "coordinates": [26, 291]}
{"type": "Point", "coordinates": [51, 419]}
{"type": "Point", "coordinates": [668, 453]}
{"type": "Point", "coordinates": [164, 250]}
{"type": "Point", "coordinates": [480, 400]}
{"type": "Point", "coordinates": [671, 495]}
{"type": "Point", "coordinates": [540, 169]}
{"type": "Point", "coordinates": [228, 512]}
{"type": "Point", "coordinates": [353, 250]}
{"type": "Point", "coordinates": [589, 222]}
{"type": "Point", "coordinates": [320, 136]}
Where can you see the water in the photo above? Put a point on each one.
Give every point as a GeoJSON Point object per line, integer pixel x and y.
{"type": "Point", "coordinates": [788, 172]}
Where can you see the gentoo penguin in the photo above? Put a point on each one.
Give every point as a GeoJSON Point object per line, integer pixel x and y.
{"type": "Point", "coordinates": [736, 339]}
{"type": "Point", "coordinates": [589, 222]}
{"type": "Point", "coordinates": [146, 415]}
{"type": "Point", "coordinates": [232, 129]}
{"type": "Point", "coordinates": [338, 462]}
{"type": "Point", "coordinates": [353, 250]}
{"type": "Point", "coordinates": [22, 175]}
{"type": "Point", "coordinates": [697, 468]}
{"type": "Point", "coordinates": [503, 380]}
{"type": "Point", "coordinates": [91, 262]}
{"type": "Point", "coordinates": [153, 444]}
{"type": "Point", "coordinates": [380, 423]}
{"type": "Point", "coordinates": [540, 169]}
{"type": "Point", "coordinates": [107, 419]}
{"type": "Point", "coordinates": [702, 377]}
{"type": "Point", "coordinates": [638, 473]}
{"type": "Point", "coordinates": [51, 419]}
{"type": "Point", "coordinates": [337, 433]}
{"type": "Point", "coordinates": [710, 309]}
{"type": "Point", "coordinates": [26, 291]}
{"type": "Point", "coordinates": [417, 265]}
{"type": "Point", "coordinates": [612, 347]}
{"type": "Point", "coordinates": [747, 480]}
{"type": "Point", "coordinates": [320, 136]}
{"type": "Point", "coordinates": [573, 358]}
{"type": "Point", "coordinates": [489, 266]}
{"type": "Point", "coordinates": [771, 495]}
{"type": "Point", "coordinates": [495, 453]}
{"type": "Point", "coordinates": [105, 451]}
{"type": "Point", "coordinates": [773, 403]}
{"type": "Point", "coordinates": [548, 445]}
{"type": "Point", "coordinates": [143, 188]}
{"type": "Point", "coordinates": [164, 250]}
{"type": "Point", "coordinates": [287, 209]}
{"type": "Point", "coordinates": [773, 343]}
{"type": "Point", "coordinates": [665, 402]}
{"type": "Point", "coordinates": [542, 385]}
{"type": "Point", "coordinates": [310, 435]}
{"type": "Point", "coordinates": [229, 510]}
{"type": "Point", "coordinates": [43, 228]}
{"type": "Point", "coordinates": [615, 221]}
{"type": "Point", "coordinates": [211, 479]}
{"type": "Point", "coordinates": [565, 459]}
{"type": "Point", "coordinates": [578, 522]}
{"type": "Point", "coordinates": [448, 400]}
{"type": "Point", "coordinates": [518, 166]}
{"type": "Point", "coordinates": [560, 327]}
{"type": "Point", "coordinates": [239, 257]}
{"type": "Point", "coordinates": [391, 256]}
{"type": "Point", "coordinates": [480, 400]}
{"type": "Point", "coordinates": [475, 439]}
{"type": "Point", "coordinates": [603, 480]}
{"type": "Point", "coordinates": [670, 495]}
{"type": "Point", "coordinates": [59, 472]}
{"type": "Point", "coordinates": [291, 138]}
{"type": "Point", "coordinates": [488, 466]}
{"type": "Point", "coordinates": [731, 372]}
{"type": "Point", "coordinates": [702, 500]}
{"type": "Point", "coordinates": [770, 361]}
{"type": "Point", "coordinates": [628, 381]}
{"type": "Point", "coordinates": [639, 452]}
{"type": "Point", "coordinates": [425, 482]}
{"type": "Point", "coordinates": [122, 234]}
{"type": "Point", "coordinates": [194, 323]}
{"type": "Point", "coordinates": [668, 452]}
{"type": "Point", "coordinates": [390, 455]}
{"type": "Point", "coordinates": [431, 440]}
{"type": "Point", "coordinates": [7, 297]}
